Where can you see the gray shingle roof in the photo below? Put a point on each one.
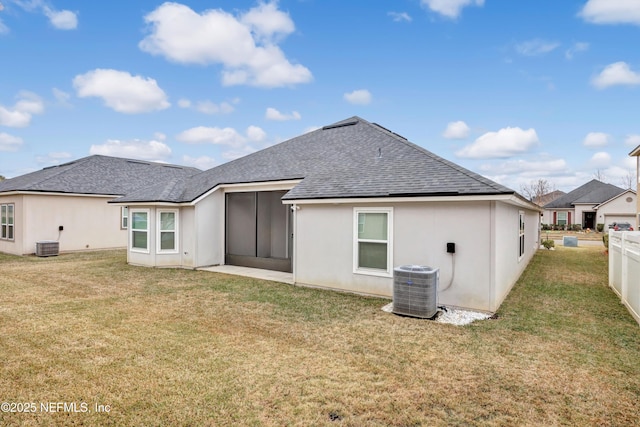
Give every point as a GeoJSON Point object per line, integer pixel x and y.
{"type": "Point", "coordinates": [100, 175]}
{"type": "Point", "coordinates": [351, 158]}
{"type": "Point", "coordinates": [593, 192]}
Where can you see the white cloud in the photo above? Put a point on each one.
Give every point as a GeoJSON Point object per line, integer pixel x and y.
{"type": "Point", "coordinates": [62, 19]}
{"type": "Point", "coordinates": [528, 169]}
{"type": "Point", "coordinates": [256, 134]}
{"type": "Point", "coordinates": [596, 139]}
{"type": "Point", "coordinates": [456, 130]}
{"type": "Point", "coordinates": [21, 113]}
{"type": "Point", "coordinates": [536, 47]}
{"type": "Point", "coordinates": [3, 28]}
{"type": "Point", "coordinates": [213, 135]}
{"type": "Point", "coordinates": [632, 140]}
{"type": "Point", "coordinates": [9, 142]}
{"type": "Point", "coordinates": [59, 19]}
{"type": "Point", "coordinates": [54, 158]}
{"type": "Point", "coordinates": [202, 162]}
{"type": "Point", "coordinates": [400, 16]}
{"type": "Point", "coordinates": [614, 74]}
{"type": "Point", "coordinates": [311, 129]}
{"type": "Point", "coordinates": [273, 114]}
{"type": "Point", "coordinates": [245, 45]}
{"type": "Point", "coordinates": [268, 22]}
{"type": "Point", "coordinates": [576, 48]}
{"type": "Point", "coordinates": [611, 12]}
{"type": "Point", "coordinates": [507, 142]}
{"type": "Point", "coordinates": [450, 8]}
{"type": "Point", "coordinates": [236, 154]}
{"type": "Point", "coordinates": [135, 149]}
{"type": "Point", "coordinates": [207, 107]}
{"type": "Point", "coordinates": [600, 159]}
{"type": "Point", "coordinates": [358, 97]}
{"type": "Point", "coordinates": [121, 91]}
{"type": "Point", "coordinates": [61, 96]}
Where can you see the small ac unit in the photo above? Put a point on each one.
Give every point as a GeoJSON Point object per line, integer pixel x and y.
{"type": "Point", "coordinates": [47, 248]}
{"type": "Point", "coordinates": [415, 291]}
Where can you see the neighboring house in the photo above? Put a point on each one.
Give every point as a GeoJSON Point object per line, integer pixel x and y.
{"type": "Point", "coordinates": [589, 205]}
{"type": "Point", "coordinates": [340, 207]}
{"type": "Point", "coordinates": [636, 153]}
{"type": "Point", "coordinates": [68, 203]}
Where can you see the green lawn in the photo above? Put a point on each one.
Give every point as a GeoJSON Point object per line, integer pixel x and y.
{"type": "Point", "coordinates": [179, 347]}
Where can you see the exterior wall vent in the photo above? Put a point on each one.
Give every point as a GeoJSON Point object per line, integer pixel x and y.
{"type": "Point", "coordinates": [415, 291]}
{"type": "Point", "coordinates": [47, 248]}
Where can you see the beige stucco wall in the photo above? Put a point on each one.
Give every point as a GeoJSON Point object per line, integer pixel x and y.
{"type": "Point", "coordinates": [89, 222]}
{"type": "Point", "coordinates": [209, 221]}
{"type": "Point", "coordinates": [505, 248]}
{"type": "Point", "coordinates": [485, 270]}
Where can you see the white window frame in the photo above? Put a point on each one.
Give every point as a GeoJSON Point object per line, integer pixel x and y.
{"type": "Point", "coordinates": [131, 230]}
{"type": "Point", "coordinates": [6, 225]}
{"type": "Point", "coordinates": [124, 217]}
{"type": "Point", "coordinates": [521, 234]}
{"type": "Point", "coordinates": [565, 219]}
{"type": "Point", "coordinates": [371, 271]}
{"type": "Point", "coordinates": [159, 250]}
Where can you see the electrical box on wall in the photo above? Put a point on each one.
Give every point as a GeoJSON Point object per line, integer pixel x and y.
{"type": "Point", "coordinates": [451, 248]}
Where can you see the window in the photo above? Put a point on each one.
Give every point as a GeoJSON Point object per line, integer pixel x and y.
{"type": "Point", "coordinates": [140, 230]}
{"type": "Point", "coordinates": [562, 218]}
{"type": "Point", "coordinates": [373, 245]}
{"type": "Point", "coordinates": [167, 231]}
{"type": "Point", "coordinates": [124, 217]}
{"type": "Point", "coordinates": [6, 222]}
{"type": "Point", "coordinates": [521, 234]}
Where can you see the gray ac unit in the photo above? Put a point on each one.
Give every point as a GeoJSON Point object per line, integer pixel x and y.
{"type": "Point", "coordinates": [47, 248]}
{"type": "Point", "coordinates": [415, 291]}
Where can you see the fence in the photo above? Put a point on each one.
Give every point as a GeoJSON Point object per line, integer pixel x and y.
{"type": "Point", "coordinates": [624, 268]}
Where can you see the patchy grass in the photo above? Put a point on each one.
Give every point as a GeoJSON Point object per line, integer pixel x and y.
{"type": "Point", "coordinates": [179, 347]}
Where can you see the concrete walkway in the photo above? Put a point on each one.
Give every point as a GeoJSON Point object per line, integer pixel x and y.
{"type": "Point", "coordinates": [256, 273]}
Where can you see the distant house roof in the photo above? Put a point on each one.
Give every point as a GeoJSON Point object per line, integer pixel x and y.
{"type": "Point", "coordinates": [593, 192]}
{"type": "Point", "coordinates": [548, 198]}
{"type": "Point", "coordinates": [98, 175]}
{"type": "Point", "coordinates": [352, 158]}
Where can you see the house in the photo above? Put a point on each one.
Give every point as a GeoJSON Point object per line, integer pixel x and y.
{"type": "Point", "coordinates": [591, 204]}
{"type": "Point", "coordinates": [68, 203]}
{"type": "Point", "coordinates": [339, 208]}
{"type": "Point", "coordinates": [636, 153]}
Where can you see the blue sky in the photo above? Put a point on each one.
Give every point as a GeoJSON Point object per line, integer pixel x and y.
{"type": "Point", "coordinates": [515, 90]}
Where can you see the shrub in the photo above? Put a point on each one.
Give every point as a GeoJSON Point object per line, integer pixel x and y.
{"type": "Point", "coordinates": [605, 241]}
{"type": "Point", "coordinates": [546, 227]}
{"type": "Point", "coordinates": [599, 227]}
{"type": "Point", "coordinates": [548, 244]}
{"type": "Point", "coordinates": [576, 227]}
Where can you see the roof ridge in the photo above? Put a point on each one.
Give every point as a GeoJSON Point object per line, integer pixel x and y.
{"type": "Point", "coordinates": [72, 164]}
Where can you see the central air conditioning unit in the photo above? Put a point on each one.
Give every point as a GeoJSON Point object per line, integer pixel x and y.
{"type": "Point", "coordinates": [47, 248]}
{"type": "Point", "coordinates": [415, 291]}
